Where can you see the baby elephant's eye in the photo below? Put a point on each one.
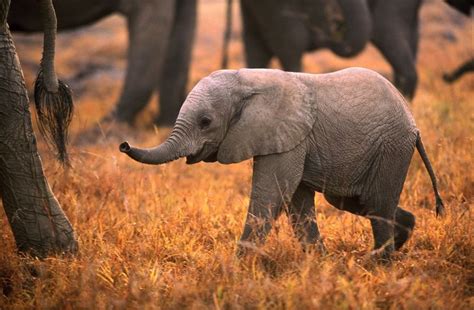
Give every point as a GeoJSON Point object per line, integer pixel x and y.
{"type": "Point", "coordinates": [204, 122]}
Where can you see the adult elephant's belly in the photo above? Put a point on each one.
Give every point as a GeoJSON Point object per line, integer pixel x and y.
{"type": "Point", "coordinates": [23, 15]}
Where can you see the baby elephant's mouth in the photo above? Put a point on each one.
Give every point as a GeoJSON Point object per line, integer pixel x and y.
{"type": "Point", "coordinates": [207, 154]}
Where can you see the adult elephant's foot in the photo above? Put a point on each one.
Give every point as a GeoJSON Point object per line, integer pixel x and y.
{"type": "Point", "coordinates": [380, 258]}
{"type": "Point", "coordinates": [117, 116]}
{"type": "Point", "coordinates": [165, 121]}
{"type": "Point", "coordinates": [169, 109]}
{"type": "Point", "coordinates": [406, 84]}
{"type": "Point", "coordinates": [166, 118]}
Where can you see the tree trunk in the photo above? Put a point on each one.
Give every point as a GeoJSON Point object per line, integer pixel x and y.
{"type": "Point", "coordinates": [39, 225]}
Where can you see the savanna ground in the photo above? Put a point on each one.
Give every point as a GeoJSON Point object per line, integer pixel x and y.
{"type": "Point", "coordinates": [164, 237]}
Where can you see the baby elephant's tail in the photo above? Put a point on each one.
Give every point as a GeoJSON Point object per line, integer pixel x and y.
{"type": "Point", "coordinates": [426, 161]}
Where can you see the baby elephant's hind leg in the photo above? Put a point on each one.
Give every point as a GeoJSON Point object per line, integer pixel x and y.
{"type": "Point", "coordinates": [383, 221]}
{"type": "Point", "coordinates": [404, 224]}
{"type": "Point", "coordinates": [383, 232]}
{"type": "Point", "coordinates": [302, 216]}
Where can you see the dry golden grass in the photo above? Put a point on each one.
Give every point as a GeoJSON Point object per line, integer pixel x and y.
{"type": "Point", "coordinates": [164, 237]}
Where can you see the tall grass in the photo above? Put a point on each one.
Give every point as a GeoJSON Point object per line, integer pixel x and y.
{"type": "Point", "coordinates": [165, 236]}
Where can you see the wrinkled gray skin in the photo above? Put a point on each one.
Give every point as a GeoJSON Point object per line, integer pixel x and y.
{"type": "Point", "coordinates": [38, 223]}
{"type": "Point", "coordinates": [346, 134]}
{"type": "Point", "coordinates": [288, 29]}
{"type": "Point", "coordinates": [161, 34]}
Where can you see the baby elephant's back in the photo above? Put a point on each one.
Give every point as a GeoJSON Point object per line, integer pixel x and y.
{"type": "Point", "coordinates": [361, 102]}
{"type": "Point", "coordinates": [359, 119]}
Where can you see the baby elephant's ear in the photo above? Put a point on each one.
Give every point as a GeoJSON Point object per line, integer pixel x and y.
{"type": "Point", "coordinates": [276, 119]}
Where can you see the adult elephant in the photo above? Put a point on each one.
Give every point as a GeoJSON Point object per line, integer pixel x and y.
{"type": "Point", "coordinates": [287, 29]}
{"type": "Point", "coordinates": [38, 223]}
{"type": "Point", "coordinates": [465, 7]}
{"type": "Point", "coordinates": [161, 34]}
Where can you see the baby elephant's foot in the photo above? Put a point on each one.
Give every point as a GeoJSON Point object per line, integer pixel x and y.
{"type": "Point", "coordinates": [405, 222]}
{"type": "Point", "coordinates": [383, 254]}
{"type": "Point", "coordinates": [383, 231]}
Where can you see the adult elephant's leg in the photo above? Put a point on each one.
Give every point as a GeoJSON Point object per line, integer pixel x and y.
{"type": "Point", "coordinates": [275, 179]}
{"type": "Point", "coordinates": [174, 79]}
{"type": "Point", "coordinates": [396, 50]}
{"type": "Point", "coordinates": [291, 63]}
{"type": "Point", "coordinates": [257, 53]}
{"type": "Point", "coordinates": [414, 37]}
{"type": "Point", "coordinates": [149, 26]}
{"type": "Point", "coordinates": [302, 216]}
{"type": "Point", "coordinates": [289, 45]}
{"type": "Point", "coordinates": [395, 35]}
{"type": "Point", "coordinates": [37, 221]}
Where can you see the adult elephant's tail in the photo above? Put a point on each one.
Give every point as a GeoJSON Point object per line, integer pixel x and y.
{"type": "Point", "coordinates": [227, 34]}
{"type": "Point", "coordinates": [429, 168]}
{"type": "Point", "coordinates": [53, 98]}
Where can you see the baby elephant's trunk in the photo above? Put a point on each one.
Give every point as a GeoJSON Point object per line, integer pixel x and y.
{"type": "Point", "coordinates": [426, 161]}
{"type": "Point", "coordinates": [161, 154]}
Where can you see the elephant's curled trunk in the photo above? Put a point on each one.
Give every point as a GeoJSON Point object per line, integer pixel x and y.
{"type": "Point", "coordinates": [176, 146]}
{"type": "Point", "coordinates": [152, 156]}
{"type": "Point", "coordinates": [354, 33]}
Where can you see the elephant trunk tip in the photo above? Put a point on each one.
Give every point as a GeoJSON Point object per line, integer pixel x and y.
{"type": "Point", "coordinates": [125, 147]}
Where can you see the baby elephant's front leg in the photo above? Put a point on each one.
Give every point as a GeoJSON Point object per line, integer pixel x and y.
{"type": "Point", "coordinates": [302, 216]}
{"type": "Point", "coordinates": [258, 224]}
{"type": "Point", "coordinates": [275, 179]}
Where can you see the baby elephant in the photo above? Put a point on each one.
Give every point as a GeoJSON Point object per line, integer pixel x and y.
{"type": "Point", "coordinates": [347, 134]}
